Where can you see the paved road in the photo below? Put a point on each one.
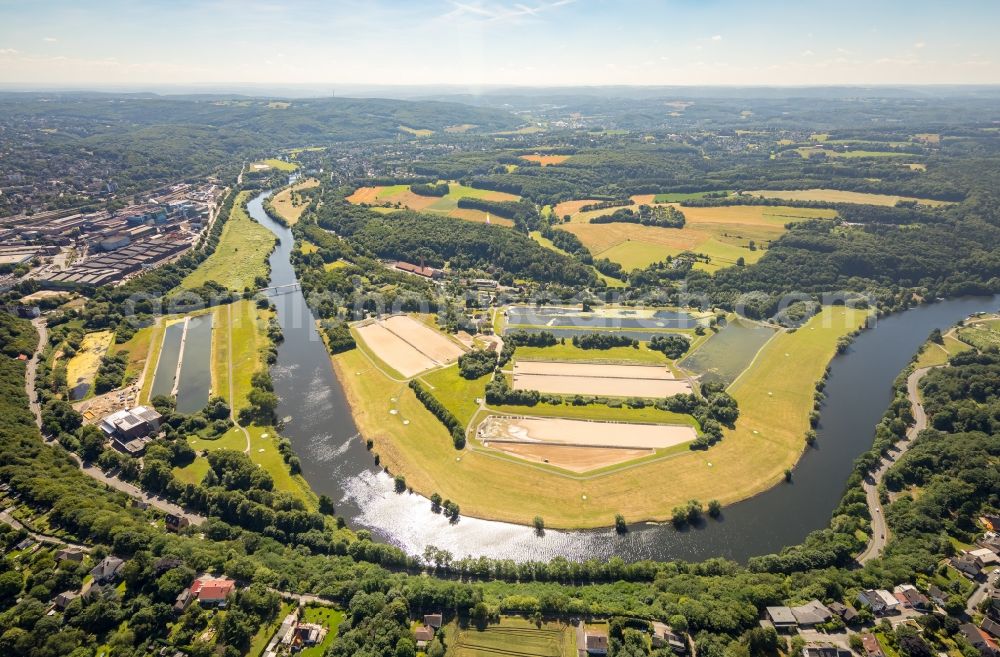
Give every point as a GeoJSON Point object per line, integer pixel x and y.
{"type": "Point", "coordinates": [880, 530]}
{"type": "Point", "coordinates": [91, 470]}
{"type": "Point", "coordinates": [5, 516]}
{"type": "Point", "coordinates": [972, 606]}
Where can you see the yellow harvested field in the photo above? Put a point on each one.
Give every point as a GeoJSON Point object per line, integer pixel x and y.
{"type": "Point", "coordinates": [722, 233]}
{"type": "Point", "coordinates": [479, 217]}
{"type": "Point", "coordinates": [546, 160]}
{"type": "Point", "coordinates": [571, 207]}
{"type": "Point", "coordinates": [408, 346]}
{"type": "Point", "coordinates": [582, 433]}
{"type": "Point", "coordinates": [82, 367]}
{"type": "Point", "coordinates": [571, 457]}
{"type": "Point", "coordinates": [602, 379]}
{"type": "Point", "coordinates": [284, 201]}
{"type": "Point", "coordinates": [840, 196]}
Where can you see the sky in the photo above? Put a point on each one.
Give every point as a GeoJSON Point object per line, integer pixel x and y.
{"type": "Point", "coordinates": [109, 43]}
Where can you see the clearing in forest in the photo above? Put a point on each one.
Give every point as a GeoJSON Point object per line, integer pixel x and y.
{"type": "Point", "coordinates": [394, 197]}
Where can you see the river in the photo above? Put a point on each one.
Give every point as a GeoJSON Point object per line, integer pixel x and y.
{"type": "Point", "coordinates": [336, 463]}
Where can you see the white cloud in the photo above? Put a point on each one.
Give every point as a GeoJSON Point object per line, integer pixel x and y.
{"type": "Point", "coordinates": [919, 44]}
{"type": "Point", "coordinates": [808, 53]}
{"type": "Point", "coordinates": [717, 37]}
{"type": "Point", "coordinates": [49, 39]}
{"type": "Point", "coordinates": [500, 12]}
{"type": "Point", "coordinates": [7, 51]}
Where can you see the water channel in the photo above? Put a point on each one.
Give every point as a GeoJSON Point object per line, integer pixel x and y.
{"type": "Point", "coordinates": [336, 463]}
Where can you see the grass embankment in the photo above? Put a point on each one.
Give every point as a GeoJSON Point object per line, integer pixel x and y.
{"type": "Point", "coordinates": [138, 348]}
{"type": "Point", "coordinates": [241, 255]}
{"type": "Point", "coordinates": [775, 396]}
{"type": "Point", "coordinates": [284, 201]}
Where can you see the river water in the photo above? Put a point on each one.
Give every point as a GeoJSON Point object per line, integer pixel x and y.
{"type": "Point", "coordinates": [336, 463]}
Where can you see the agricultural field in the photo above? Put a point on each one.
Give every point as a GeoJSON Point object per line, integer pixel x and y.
{"type": "Point", "coordinates": [839, 196]}
{"type": "Point", "coordinates": [599, 379]}
{"type": "Point", "coordinates": [274, 163]}
{"type": "Point", "coordinates": [723, 234]}
{"type": "Point", "coordinates": [775, 396]}
{"type": "Point", "coordinates": [514, 637]}
{"type": "Point", "coordinates": [241, 256]}
{"type": "Point", "coordinates": [416, 132]}
{"type": "Point", "coordinates": [406, 345]}
{"type": "Point", "coordinates": [82, 367]}
{"type": "Point", "coordinates": [400, 196]}
{"type": "Point", "coordinates": [545, 160]}
{"type": "Point", "coordinates": [284, 201]}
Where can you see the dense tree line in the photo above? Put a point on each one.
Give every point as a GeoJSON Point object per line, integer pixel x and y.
{"type": "Point", "coordinates": [663, 216]}
{"type": "Point", "coordinates": [439, 411]}
{"type": "Point", "coordinates": [672, 346]}
{"type": "Point", "coordinates": [522, 213]}
{"type": "Point", "coordinates": [430, 189]}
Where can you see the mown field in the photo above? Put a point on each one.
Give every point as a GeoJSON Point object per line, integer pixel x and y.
{"type": "Point", "coordinates": [284, 203]}
{"type": "Point", "coordinates": [840, 196]}
{"type": "Point", "coordinates": [721, 233]}
{"type": "Point", "coordinates": [275, 163]}
{"type": "Point", "coordinates": [514, 637]}
{"type": "Point", "coordinates": [775, 398]}
{"type": "Point", "coordinates": [241, 255]}
{"type": "Point", "coordinates": [400, 196]}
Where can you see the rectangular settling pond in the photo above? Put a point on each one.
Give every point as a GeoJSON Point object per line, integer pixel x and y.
{"type": "Point", "coordinates": [196, 368]}
{"type": "Point", "coordinates": [730, 351]}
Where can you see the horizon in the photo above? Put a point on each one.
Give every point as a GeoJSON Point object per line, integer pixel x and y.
{"type": "Point", "coordinates": [477, 44]}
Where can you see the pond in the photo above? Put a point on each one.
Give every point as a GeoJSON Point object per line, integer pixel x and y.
{"type": "Point", "coordinates": [195, 382]}
{"type": "Point", "coordinates": [730, 351]}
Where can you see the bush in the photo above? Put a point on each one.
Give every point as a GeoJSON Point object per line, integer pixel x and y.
{"type": "Point", "coordinates": [671, 346]}
{"type": "Point", "coordinates": [476, 363]}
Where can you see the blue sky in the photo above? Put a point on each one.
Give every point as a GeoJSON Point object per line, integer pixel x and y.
{"type": "Point", "coordinates": [530, 42]}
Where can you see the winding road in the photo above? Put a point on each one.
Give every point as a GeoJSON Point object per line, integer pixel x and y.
{"type": "Point", "coordinates": [31, 372]}
{"type": "Point", "coordinates": [880, 529]}
{"type": "Point", "coordinates": [6, 517]}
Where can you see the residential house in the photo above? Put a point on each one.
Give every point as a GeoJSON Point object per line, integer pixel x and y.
{"type": "Point", "coordinates": [63, 599]}
{"type": "Point", "coordinates": [985, 557]}
{"type": "Point", "coordinates": [967, 564]}
{"type": "Point", "coordinates": [811, 613]}
{"type": "Point", "coordinates": [821, 650]}
{"type": "Point", "coordinates": [70, 554]}
{"type": "Point", "coordinates": [183, 601]}
{"type": "Point", "coordinates": [433, 620]}
{"type": "Point", "coordinates": [847, 613]}
{"type": "Point", "coordinates": [309, 634]}
{"type": "Point", "coordinates": [423, 635]}
{"type": "Point", "coordinates": [781, 618]}
{"type": "Point", "coordinates": [979, 640]}
{"type": "Point", "coordinates": [991, 627]}
{"type": "Point", "coordinates": [991, 522]}
{"type": "Point", "coordinates": [879, 601]}
{"type": "Point", "coordinates": [108, 570]}
{"type": "Point", "coordinates": [937, 595]}
{"type": "Point", "coordinates": [212, 591]}
{"type": "Point", "coordinates": [871, 646]}
{"type": "Point", "coordinates": [174, 523]}
{"type": "Point", "coordinates": [665, 637]}
{"type": "Point", "coordinates": [596, 643]}
{"type": "Point", "coordinates": [911, 598]}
